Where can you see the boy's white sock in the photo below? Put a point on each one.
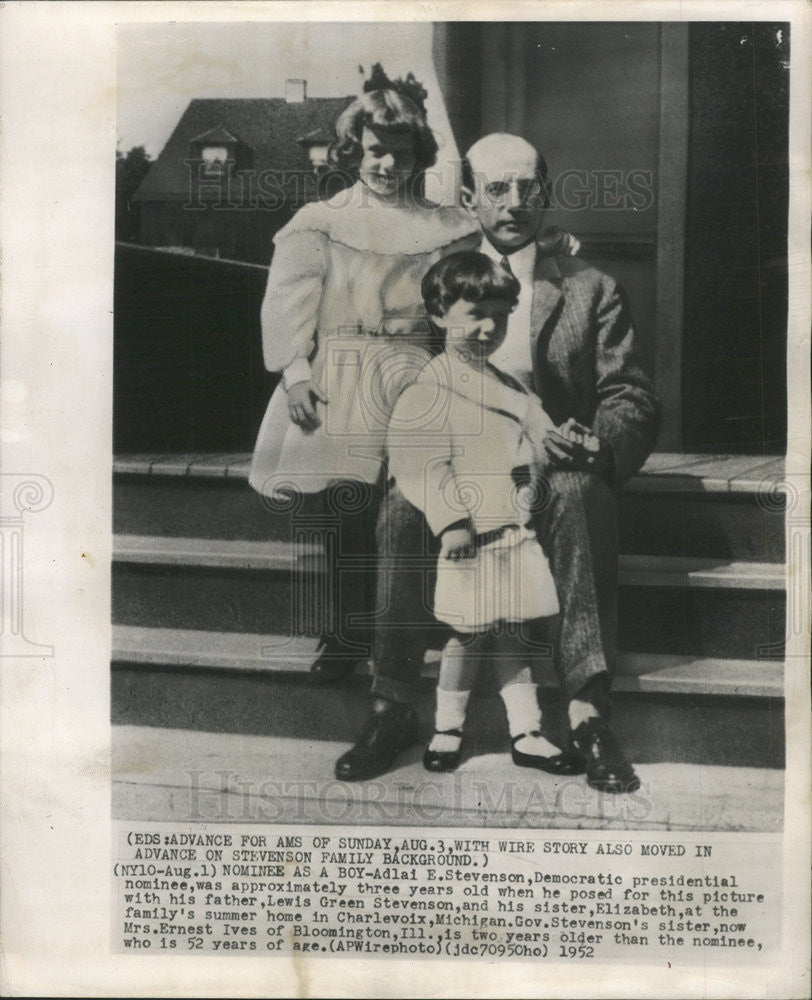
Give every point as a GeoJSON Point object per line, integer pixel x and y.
{"type": "Point", "coordinates": [450, 714]}
{"type": "Point", "coordinates": [524, 717]}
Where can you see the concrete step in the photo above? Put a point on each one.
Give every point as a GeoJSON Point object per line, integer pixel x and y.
{"type": "Point", "coordinates": [741, 623]}
{"type": "Point", "coordinates": [289, 780]}
{"type": "Point", "coordinates": [726, 525]}
{"type": "Point", "coordinates": [663, 471]}
{"type": "Point", "coordinates": [274, 654]}
{"type": "Point", "coordinates": [725, 506]}
{"type": "Point", "coordinates": [635, 570]}
{"type": "Point", "coordinates": [677, 605]}
{"type": "Point", "coordinates": [196, 507]}
{"type": "Point", "coordinates": [216, 611]}
{"type": "Point", "coordinates": [654, 727]}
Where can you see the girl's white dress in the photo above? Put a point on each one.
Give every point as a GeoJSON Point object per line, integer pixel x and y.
{"type": "Point", "coordinates": [343, 306]}
{"type": "Point", "coordinates": [468, 445]}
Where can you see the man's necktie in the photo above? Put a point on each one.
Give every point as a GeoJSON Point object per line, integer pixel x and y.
{"type": "Point", "coordinates": [506, 265]}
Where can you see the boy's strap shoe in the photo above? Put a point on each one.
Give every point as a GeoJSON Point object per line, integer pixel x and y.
{"type": "Point", "coordinates": [383, 737]}
{"type": "Point", "coordinates": [566, 762]}
{"type": "Point", "coordinates": [444, 760]}
{"type": "Point", "coordinates": [607, 769]}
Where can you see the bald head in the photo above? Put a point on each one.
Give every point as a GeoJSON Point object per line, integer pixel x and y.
{"type": "Point", "coordinates": [504, 187]}
{"type": "Point", "coordinates": [498, 153]}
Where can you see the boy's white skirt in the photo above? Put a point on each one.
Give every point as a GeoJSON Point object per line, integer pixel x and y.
{"type": "Point", "coordinates": [508, 580]}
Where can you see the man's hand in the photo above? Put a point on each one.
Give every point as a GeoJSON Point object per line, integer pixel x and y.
{"type": "Point", "coordinates": [302, 399]}
{"type": "Point", "coordinates": [573, 446]}
{"type": "Point", "coordinates": [456, 544]}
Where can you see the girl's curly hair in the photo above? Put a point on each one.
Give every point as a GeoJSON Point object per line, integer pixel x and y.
{"type": "Point", "coordinates": [387, 109]}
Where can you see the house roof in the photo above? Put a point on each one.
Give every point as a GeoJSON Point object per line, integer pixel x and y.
{"type": "Point", "coordinates": [217, 134]}
{"type": "Point", "coordinates": [270, 127]}
{"type": "Point", "coordinates": [317, 137]}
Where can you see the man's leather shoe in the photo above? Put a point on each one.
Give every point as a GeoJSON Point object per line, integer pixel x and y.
{"type": "Point", "coordinates": [444, 760]}
{"type": "Point", "coordinates": [383, 737]}
{"type": "Point", "coordinates": [565, 762]}
{"type": "Point", "coordinates": [332, 664]}
{"type": "Point", "coordinates": [606, 767]}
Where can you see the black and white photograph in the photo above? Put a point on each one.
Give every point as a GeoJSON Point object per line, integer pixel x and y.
{"type": "Point", "coordinates": [449, 424]}
{"type": "Point", "coordinates": [405, 499]}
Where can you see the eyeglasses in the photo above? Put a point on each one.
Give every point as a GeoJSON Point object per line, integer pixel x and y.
{"type": "Point", "coordinates": [499, 191]}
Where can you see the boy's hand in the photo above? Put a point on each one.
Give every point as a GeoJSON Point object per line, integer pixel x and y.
{"type": "Point", "coordinates": [302, 404]}
{"type": "Point", "coordinates": [554, 239]}
{"type": "Point", "coordinates": [456, 544]}
{"type": "Point", "coordinates": [573, 446]}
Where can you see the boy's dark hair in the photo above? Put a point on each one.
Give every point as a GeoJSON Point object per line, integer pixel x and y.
{"type": "Point", "coordinates": [466, 275]}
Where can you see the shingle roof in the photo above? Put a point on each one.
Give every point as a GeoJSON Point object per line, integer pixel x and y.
{"type": "Point", "coordinates": [269, 126]}
{"type": "Point", "coordinates": [216, 134]}
{"type": "Point", "coordinates": [316, 137]}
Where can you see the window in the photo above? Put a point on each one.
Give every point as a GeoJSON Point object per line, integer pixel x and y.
{"type": "Point", "coordinates": [318, 155]}
{"type": "Point", "coordinates": [214, 159]}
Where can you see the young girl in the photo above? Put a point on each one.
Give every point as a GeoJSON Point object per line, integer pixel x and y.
{"type": "Point", "coordinates": [343, 321]}
{"type": "Point", "coordinates": [465, 447]}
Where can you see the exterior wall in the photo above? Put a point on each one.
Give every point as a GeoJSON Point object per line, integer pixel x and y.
{"type": "Point", "coordinates": [736, 239]}
{"type": "Point", "coordinates": [598, 129]}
